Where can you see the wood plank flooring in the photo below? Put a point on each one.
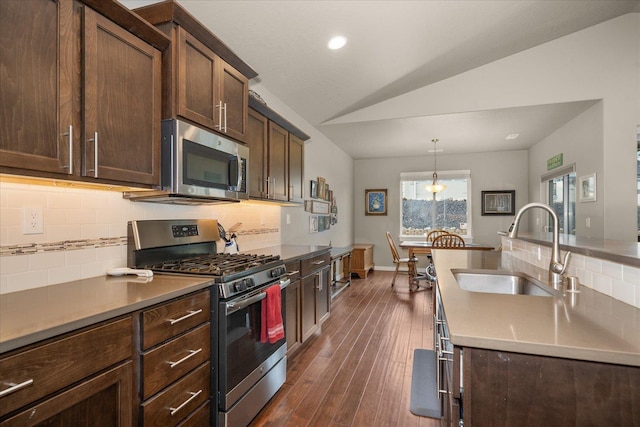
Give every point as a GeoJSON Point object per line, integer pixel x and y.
{"type": "Point", "coordinates": [357, 372]}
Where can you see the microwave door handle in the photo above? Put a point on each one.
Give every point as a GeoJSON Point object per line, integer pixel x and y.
{"type": "Point", "coordinates": [239, 163]}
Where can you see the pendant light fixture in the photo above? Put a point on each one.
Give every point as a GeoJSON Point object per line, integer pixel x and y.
{"type": "Point", "coordinates": [435, 186]}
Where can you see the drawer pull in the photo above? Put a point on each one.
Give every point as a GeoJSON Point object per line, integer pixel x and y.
{"type": "Point", "coordinates": [186, 316]}
{"type": "Point", "coordinates": [191, 354]}
{"type": "Point", "coordinates": [15, 387]}
{"type": "Point", "coordinates": [186, 402]}
{"type": "Point", "coordinates": [293, 273]}
{"type": "Point", "coordinates": [320, 261]}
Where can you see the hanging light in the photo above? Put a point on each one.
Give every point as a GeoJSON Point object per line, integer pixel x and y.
{"type": "Point", "coordinates": [435, 186]}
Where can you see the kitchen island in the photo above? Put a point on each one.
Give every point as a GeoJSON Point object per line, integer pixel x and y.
{"type": "Point", "coordinates": [560, 360]}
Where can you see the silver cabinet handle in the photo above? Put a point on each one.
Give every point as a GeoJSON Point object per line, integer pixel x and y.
{"type": "Point", "coordinates": [219, 107]}
{"type": "Point", "coordinates": [70, 133]}
{"type": "Point", "coordinates": [95, 154]}
{"type": "Point", "coordinates": [292, 273]}
{"type": "Point", "coordinates": [186, 316]}
{"type": "Point", "coordinates": [188, 356]}
{"type": "Point", "coordinates": [321, 261]}
{"type": "Point", "coordinates": [15, 387]}
{"type": "Point", "coordinates": [225, 117]}
{"type": "Point", "coordinates": [186, 402]}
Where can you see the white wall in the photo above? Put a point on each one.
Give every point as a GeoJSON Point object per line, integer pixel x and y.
{"type": "Point", "coordinates": [580, 142]}
{"type": "Point", "coordinates": [599, 63]}
{"type": "Point", "coordinates": [506, 170]}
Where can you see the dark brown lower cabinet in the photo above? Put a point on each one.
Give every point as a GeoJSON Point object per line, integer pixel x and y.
{"type": "Point", "coordinates": [292, 325]}
{"type": "Point", "coordinates": [104, 400]}
{"type": "Point", "coordinates": [503, 389]}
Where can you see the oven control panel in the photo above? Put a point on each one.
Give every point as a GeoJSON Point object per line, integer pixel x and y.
{"type": "Point", "coordinates": [255, 280]}
{"type": "Point", "coordinates": [184, 230]}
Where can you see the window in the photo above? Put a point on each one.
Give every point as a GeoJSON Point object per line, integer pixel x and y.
{"type": "Point", "coordinates": [561, 196]}
{"type": "Point", "coordinates": [422, 211]}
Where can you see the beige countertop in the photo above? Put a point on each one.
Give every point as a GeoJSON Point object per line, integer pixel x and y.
{"type": "Point", "coordinates": [592, 326]}
{"type": "Point", "coordinates": [36, 314]}
{"type": "Point", "coordinates": [40, 313]}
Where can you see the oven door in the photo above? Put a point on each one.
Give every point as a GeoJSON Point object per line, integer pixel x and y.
{"type": "Point", "coordinates": [243, 358]}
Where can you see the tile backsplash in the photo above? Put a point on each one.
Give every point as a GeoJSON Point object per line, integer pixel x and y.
{"type": "Point", "coordinates": [619, 281]}
{"type": "Point", "coordinates": [85, 231]}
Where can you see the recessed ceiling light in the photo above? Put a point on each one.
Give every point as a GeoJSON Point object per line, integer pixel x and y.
{"type": "Point", "coordinates": [337, 42]}
{"type": "Point", "coordinates": [512, 136]}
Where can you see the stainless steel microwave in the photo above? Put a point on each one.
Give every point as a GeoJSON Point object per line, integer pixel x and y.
{"type": "Point", "coordinates": [198, 166]}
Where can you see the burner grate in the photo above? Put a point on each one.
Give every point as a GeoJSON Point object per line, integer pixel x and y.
{"type": "Point", "coordinates": [214, 264]}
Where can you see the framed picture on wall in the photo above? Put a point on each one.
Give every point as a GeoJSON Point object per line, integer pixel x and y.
{"type": "Point", "coordinates": [499, 202]}
{"type": "Point", "coordinates": [587, 188]}
{"type": "Point", "coordinates": [375, 202]}
{"type": "Point", "coordinates": [313, 224]}
{"type": "Point", "coordinates": [314, 190]}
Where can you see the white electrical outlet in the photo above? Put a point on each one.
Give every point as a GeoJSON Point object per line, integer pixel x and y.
{"type": "Point", "coordinates": [588, 222]}
{"type": "Point", "coordinates": [288, 219]}
{"type": "Point", "coordinates": [32, 221]}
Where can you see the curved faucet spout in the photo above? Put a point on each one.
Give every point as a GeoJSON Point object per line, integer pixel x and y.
{"type": "Point", "coordinates": [557, 266]}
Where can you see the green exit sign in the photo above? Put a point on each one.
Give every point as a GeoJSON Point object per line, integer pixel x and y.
{"type": "Point", "coordinates": [554, 162]}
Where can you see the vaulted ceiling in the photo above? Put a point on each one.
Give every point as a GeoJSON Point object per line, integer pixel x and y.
{"type": "Point", "coordinates": [394, 48]}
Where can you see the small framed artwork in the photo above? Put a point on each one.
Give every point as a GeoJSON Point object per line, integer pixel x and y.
{"type": "Point", "coordinates": [319, 207]}
{"type": "Point", "coordinates": [587, 188]}
{"type": "Point", "coordinates": [314, 190]}
{"type": "Point", "coordinates": [313, 224]}
{"type": "Point", "coordinates": [500, 202]}
{"type": "Point", "coordinates": [375, 202]}
{"type": "Point", "coordinates": [326, 192]}
{"type": "Point", "coordinates": [321, 183]}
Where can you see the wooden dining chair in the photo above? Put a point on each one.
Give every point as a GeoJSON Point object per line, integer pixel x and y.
{"type": "Point", "coordinates": [448, 241]}
{"type": "Point", "coordinates": [396, 258]}
{"type": "Point", "coordinates": [435, 233]}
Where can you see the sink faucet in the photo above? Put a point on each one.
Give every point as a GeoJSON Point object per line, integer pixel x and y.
{"type": "Point", "coordinates": [557, 266]}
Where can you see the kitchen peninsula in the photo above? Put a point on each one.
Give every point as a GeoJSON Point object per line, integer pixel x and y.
{"type": "Point", "coordinates": [557, 360]}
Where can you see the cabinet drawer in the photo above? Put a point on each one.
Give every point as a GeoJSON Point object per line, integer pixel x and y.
{"type": "Point", "coordinates": [201, 417]}
{"type": "Point", "coordinates": [179, 400]}
{"type": "Point", "coordinates": [315, 263]}
{"type": "Point", "coordinates": [293, 270]}
{"type": "Point", "coordinates": [163, 322]}
{"type": "Point", "coordinates": [50, 367]}
{"type": "Point", "coordinates": [168, 362]}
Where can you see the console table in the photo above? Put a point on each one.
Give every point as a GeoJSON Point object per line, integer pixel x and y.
{"type": "Point", "coordinates": [362, 260]}
{"type": "Point", "coordinates": [342, 256]}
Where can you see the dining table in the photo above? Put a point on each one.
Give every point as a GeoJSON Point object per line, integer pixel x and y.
{"type": "Point", "coordinates": [423, 247]}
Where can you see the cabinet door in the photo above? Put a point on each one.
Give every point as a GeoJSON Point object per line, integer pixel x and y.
{"type": "Point", "coordinates": [257, 135]}
{"type": "Point", "coordinates": [122, 96]}
{"type": "Point", "coordinates": [278, 162]}
{"type": "Point", "coordinates": [234, 96]}
{"type": "Point", "coordinates": [104, 400]}
{"type": "Point", "coordinates": [296, 169]}
{"type": "Point", "coordinates": [323, 299]}
{"type": "Point", "coordinates": [292, 324]}
{"type": "Point", "coordinates": [36, 38]}
{"type": "Point", "coordinates": [196, 81]}
{"type": "Point", "coordinates": [309, 318]}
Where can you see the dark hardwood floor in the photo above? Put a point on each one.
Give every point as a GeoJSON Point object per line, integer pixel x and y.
{"type": "Point", "coordinates": [357, 372]}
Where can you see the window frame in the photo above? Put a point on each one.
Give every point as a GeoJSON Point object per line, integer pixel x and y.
{"type": "Point", "coordinates": [442, 176]}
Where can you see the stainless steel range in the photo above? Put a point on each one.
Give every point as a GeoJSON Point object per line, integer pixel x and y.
{"type": "Point", "coordinates": [247, 372]}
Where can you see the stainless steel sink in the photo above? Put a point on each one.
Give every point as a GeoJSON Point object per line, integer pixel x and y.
{"type": "Point", "coordinates": [502, 282]}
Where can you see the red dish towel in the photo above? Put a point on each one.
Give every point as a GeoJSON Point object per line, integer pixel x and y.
{"type": "Point", "coordinates": [272, 328]}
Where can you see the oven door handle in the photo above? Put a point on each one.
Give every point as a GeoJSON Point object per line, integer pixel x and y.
{"type": "Point", "coordinates": [233, 306]}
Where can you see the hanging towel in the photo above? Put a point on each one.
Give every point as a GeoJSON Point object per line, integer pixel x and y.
{"type": "Point", "coordinates": [272, 328]}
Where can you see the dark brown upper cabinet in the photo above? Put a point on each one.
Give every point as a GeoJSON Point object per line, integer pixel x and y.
{"type": "Point", "coordinates": [82, 94]}
{"type": "Point", "coordinates": [204, 81]}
